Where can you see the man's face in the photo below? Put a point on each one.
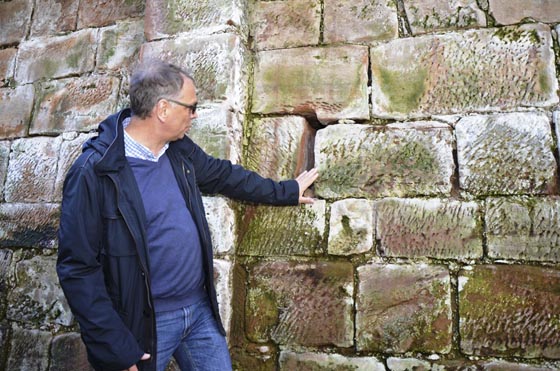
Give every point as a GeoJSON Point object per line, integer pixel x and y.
{"type": "Point", "coordinates": [180, 119]}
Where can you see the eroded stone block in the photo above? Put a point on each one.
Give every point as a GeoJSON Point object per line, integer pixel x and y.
{"type": "Point", "coordinates": [7, 65]}
{"type": "Point", "coordinates": [119, 45]}
{"type": "Point", "coordinates": [352, 229]}
{"type": "Point", "coordinates": [406, 364]}
{"type": "Point", "coordinates": [4, 157]}
{"type": "Point", "coordinates": [429, 15]}
{"type": "Point", "coordinates": [330, 82]}
{"type": "Point", "coordinates": [295, 303]}
{"type": "Point", "coordinates": [515, 11]}
{"type": "Point", "coordinates": [394, 160]}
{"type": "Point", "coordinates": [443, 229]}
{"type": "Point", "coordinates": [222, 280]}
{"type": "Point", "coordinates": [68, 353]}
{"type": "Point", "coordinates": [29, 350]}
{"type": "Point", "coordinates": [506, 154]}
{"type": "Point", "coordinates": [97, 14]}
{"type": "Point", "coordinates": [15, 16]}
{"type": "Point", "coordinates": [291, 230]}
{"type": "Point", "coordinates": [16, 106]}
{"type": "Point", "coordinates": [28, 225]}
{"type": "Point", "coordinates": [478, 70]}
{"type": "Point", "coordinates": [53, 17]}
{"type": "Point", "coordinates": [221, 221]}
{"type": "Point", "coordinates": [403, 308]}
{"type": "Point", "coordinates": [290, 361]}
{"type": "Point", "coordinates": [510, 311]}
{"type": "Point", "coordinates": [214, 131]}
{"type": "Point", "coordinates": [362, 21]}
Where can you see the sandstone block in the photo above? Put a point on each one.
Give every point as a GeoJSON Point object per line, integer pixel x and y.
{"type": "Point", "coordinates": [273, 230]}
{"type": "Point", "coordinates": [506, 154]}
{"type": "Point", "coordinates": [74, 104]}
{"type": "Point", "coordinates": [97, 14]}
{"type": "Point", "coordinates": [405, 364]}
{"type": "Point", "coordinates": [53, 17]}
{"type": "Point", "coordinates": [351, 227]}
{"type": "Point", "coordinates": [394, 160]}
{"type": "Point", "coordinates": [403, 308]}
{"type": "Point", "coordinates": [221, 221]}
{"type": "Point", "coordinates": [29, 350]}
{"type": "Point", "coordinates": [7, 65]}
{"type": "Point", "coordinates": [222, 280]}
{"type": "Point", "coordinates": [55, 57]}
{"type": "Point", "coordinates": [279, 147]}
{"type": "Point", "coordinates": [285, 24]}
{"type": "Point", "coordinates": [510, 311]}
{"type": "Point", "coordinates": [429, 15]}
{"type": "Point", "coordinates": [215, 131]}
{"type": "Point", "coordinates": [294, 303]}
{"type": "Point", "coordinates": [4, 157]}
{"type": "Point", "coordinates": [16, 106]}
{"type": "Point", "coordinates": [457, 72]}
{"type": "Point", "coordinates": [290, 361]}
{"type": "Point", "coordinates": [515, 11]}
{"type": "Point", "coordinates": [28, 225]}
{"type": "Point", "coordinates": [68, 353]}
{"type": "Point", "coordinates": [4, 334]}
{"type": "Point", "coordinates": [15, 17]}
{"type": "Point", "coordinates": [443, 229]}
{"type": "Point", "coordinates": [329, 83]}
{"type": "Point", "coordinates": [360, 21]}
{"type": "Point", "coordinates": [119, 44]}
{"type": "Point", "coordinates": [31, 176]}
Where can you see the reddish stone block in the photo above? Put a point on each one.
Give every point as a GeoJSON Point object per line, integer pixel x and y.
{"type": "Point", "coordinates": [15, 105]}
{"type": "Point", "coordinates": [53, 17]}
{"type": "Point", "coordinates": [7, 65]}
{"type": "Point", "coordinates": [104, 12]}
{"type": "Point", "coordinates": [68, 353]}
{"type": "Point", "coordinates": [15, 16]}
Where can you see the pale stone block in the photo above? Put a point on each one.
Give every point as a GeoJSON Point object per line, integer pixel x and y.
{"type": "Point", "coordinates": [4, 157]}
{"type": "Point", "coordinates": [394, 160]}
{"type": "Point", "coordinates": [53, 17]}
{"type": "Point", "coordinates": [29, 350]}
{"type": "Point", "coordinates": [7, 65]}
{"type": "Point", "coordinates": [102, 13]}
{"type": "Point", "coordinates": [15, 17]}
{"type": "Point", "coordinates": [362, 21]}
{"type": "Point", "coordinates": [515, 11]}
{"type": "Point", "coordinates": [28, 225]}
{"type": "Point", "coordinates": [433, 15]}
{"type": "Point", "coordinates": [16, 106]}
{"type": "Point", "coordinates": [329, 83]}
{"type": "Point", "coordinates": [351, 227]}
{"type": "Point", "coordinates": [290, 361]}
{"type": "Point", "coordinates": [221, 221]}
{"type": "Point", "coordinates": [68, 353]}
{"type": "Point", "coordinates": [406, 364]}
{"type": "Point", "coordinates": [478, 70]}
{"type": "Point", "coordinates": [224, 291]}
{"type": "Point", "coordinates": [119, 45]}
{"type": "Point", "coordinates": [506, 154]}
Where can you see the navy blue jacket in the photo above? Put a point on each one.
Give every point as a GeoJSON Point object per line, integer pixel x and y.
{"type": "Point", "coordinates": [103, 261]}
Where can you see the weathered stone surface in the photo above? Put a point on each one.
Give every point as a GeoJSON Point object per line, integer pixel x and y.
{"type": "Point", "coordinates": [4, 333]}
{"type": "Point", "coordinates": [290, 361]}
{"type": "Point", "coordinates": [31, 174]}
{"type": "Point", "coordinates": [429, 15]}
{"type": "Point", "coordinates": [53, 17]}
{"type": "Point", "coordinates": [295, 303]}
{"type": "Point", "coordinates": [352, 229]}
{"type": "Point", "coordinates": [506, 154]}
{"type": "Point", "coordinates": [279, 147]}
{"type": "Point", "coordinates": [362, 21]}
{"type": "Point", "coordinates": [15, 16]}
{"type": "Point", "coordinates": [213, 131]}
{"type": "Point", "coordinates": [478, 70]}
{"type": "Point", "coordinates": [394, 160]}
{"type": "Point", "coordinates": [7, 65]}
{"type": "Point", "coordinates": [292, 230]}
{"type": "Point", "coordinates": [403, 308]}
{"type": "Point", "coordinates": [285, 24]}
{"type": "Point", "coordinates": [68, 353]}
{"type": "Point", "coordinates": [330, 82]}
{"type": "Point", "coordinates": [28, 225]}
{"type": "Point", "coordinates": [515, 11]}
{"type": "Point", "coordinates": [221, 221]}
{"type": "Point", "coordinates": [119, 45]}
{"type": "Point", "coordinates": [4, 157]}
{"type": "Point", "coordinates": [16, 106]}
{"type": "Point", "coordinates": [523, 228]}
{"type": "Point", "coordinates": [5, 261]}
{"type": "Point", "coordinates": [254, 357]}
{"type": "Point", "coordinates": [102, 13]}
{"type": "Point", "coordinates": [29, 350]}
{"type": "Point", "coordinates": [406, 364]}
{"type": "Point", "coordinates": [436, 228]}
{"type": "Point", "coordinates": [74, 104]}
{"type": "Point", "coordinates": [37, 296]}
{"type": "Point", "coordinates": [169, 17]}
{"type": "Point", "coordinates": [510, 311]}
{"type": "Point", "coordinates": [222, 280]}
{"type": "Point", "coordinates": [55, 57]}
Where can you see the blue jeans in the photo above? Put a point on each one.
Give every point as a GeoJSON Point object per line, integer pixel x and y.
{"type": "Point", "coordinates": [191, 335]}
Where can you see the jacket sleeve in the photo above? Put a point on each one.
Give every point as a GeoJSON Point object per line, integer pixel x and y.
{"type": "Point", "coordinates": [110, 345]}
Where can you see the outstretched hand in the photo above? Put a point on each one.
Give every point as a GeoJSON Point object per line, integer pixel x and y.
{"type": "Point", "coordinates": [305, 180]}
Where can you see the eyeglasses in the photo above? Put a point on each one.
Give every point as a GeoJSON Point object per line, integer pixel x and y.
{"type": "Point", "coordinates": [192, 107]}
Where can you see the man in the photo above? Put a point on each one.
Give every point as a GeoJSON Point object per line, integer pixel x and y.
{"type": "Point", "coordinates": [135, 257]}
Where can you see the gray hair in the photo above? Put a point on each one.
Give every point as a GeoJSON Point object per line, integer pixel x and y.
{"type": "Point", "coordinates": [151, 80]}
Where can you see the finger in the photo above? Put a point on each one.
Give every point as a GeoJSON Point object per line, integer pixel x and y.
{"type": "Point", "coordinates": [306, 200]}
{"type": "Point", "coordinates": [145, 357]}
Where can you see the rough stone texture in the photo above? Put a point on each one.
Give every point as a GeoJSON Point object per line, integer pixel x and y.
{"type": "Point", "coordinates": [329, 83]}
{"type": "Point", "coordinates": [407, 364]}
{"type": "Point", "coordinates": [4, 157]}
{"type": "Point", "coordinates": [362, 21]}
{"type": "Point", "coordinates": [15, 17]}
{"type": "Point", "coordinates": [221, 221]}
{"type": "Point", "coordinates": [352, 229]}
{"type": "Point", "coordinates": [429, 15]}
{"type": "Point", "coordinates": [293, 230]}
{"type": "Point", "coordinates": [16, 106]}
{"type": "Point", "coordinates": [28, 225]}
{"type": "Point", "coordinates": [68, 353]}
{"type": "Point", "coordinates": [102, 13]}
{"type": "Point", "coordinates": [285, 24]}
{"type": "Point", "coordinates": [443, 229]}
{"type": "Point", "coordinates": [279, 147]}
{"type": "Point", "coordinates": [294, 303]}
{"type": "Point", "coordinates": [215, 131]}
{"type": "Point", "coordinates": [74, 104]}
{"type": "Point", "coordinates": [55, 57]}
{"type": "Point", "coordinates": [4, 329]}
{"type": "Point", "coordinates": [222, 279]}
{"type": "Point", "coordinates": [31, 170]}
{"type": "Point", "coordinates": [7, 65]}
{"type": "Point", "coordinates": [515, 11]}
{"type": "Point", "coordinates": [510, 311]}
{"type": "Point", "coordinates": [29, 350]}
{"type": "Point", "coordinates": [395, 160]}
{"type": "Point", "coordinates": [53, 17]}
{"type": "Point", "coordinates": [5, 261]}
{"type": "Point", "coordinates": [403, 308]}
{"type": "Point", "coordinates": [490, 164]}
{"type": "Point", "coordinates": [479, 70]}
{"type": "Point", "coordinates": [119, 45]}
{"type": "Point", "coordinates": [290, 361]}
{"type": "Point", "coordinates": [169, 17]}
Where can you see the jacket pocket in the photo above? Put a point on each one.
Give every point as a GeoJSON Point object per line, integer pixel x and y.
{"type": "Point", "coordinates": [117, 240]}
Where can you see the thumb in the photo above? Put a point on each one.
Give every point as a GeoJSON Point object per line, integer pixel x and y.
{"type": "Point", "coordinates": [145, 357]}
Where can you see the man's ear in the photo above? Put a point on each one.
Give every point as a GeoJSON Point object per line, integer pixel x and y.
{"type": "Point", "coordinates": [161, 109]}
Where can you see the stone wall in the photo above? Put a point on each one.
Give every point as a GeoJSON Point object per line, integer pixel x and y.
{"type": "Point", "coordinates": [434, 241]}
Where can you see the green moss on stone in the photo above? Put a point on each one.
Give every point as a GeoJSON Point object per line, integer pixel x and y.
{"type": "Point", "coordinates": [403, 89]}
